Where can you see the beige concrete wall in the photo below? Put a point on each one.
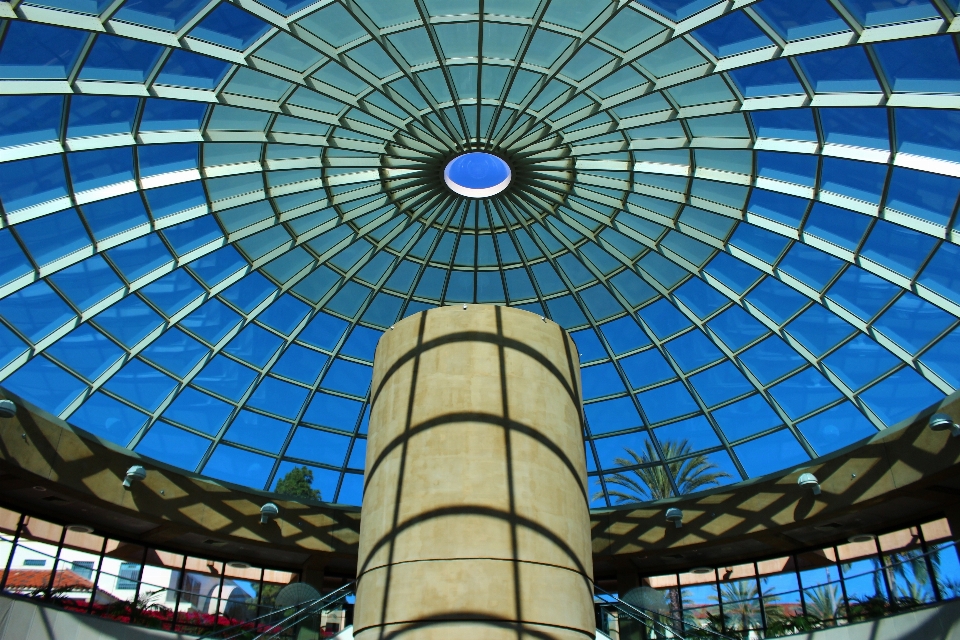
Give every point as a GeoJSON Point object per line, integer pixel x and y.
{"type": "Point", "coordinates": [475, 513]}
{"type": "Point", "coordinates": [26, 620]}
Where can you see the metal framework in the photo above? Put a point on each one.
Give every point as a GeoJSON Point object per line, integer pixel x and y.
{"type": "Point", "coordinates": [745, 213]}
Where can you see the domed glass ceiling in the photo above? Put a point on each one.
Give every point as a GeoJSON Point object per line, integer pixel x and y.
{"type": "Point", "coordinates": [745, 216]}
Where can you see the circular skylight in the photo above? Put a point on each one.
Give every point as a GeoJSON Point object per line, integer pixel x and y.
{"type": "Point", "coordinates": [744, 213]}
{"type": "Point", "coordinates": [477, 175]}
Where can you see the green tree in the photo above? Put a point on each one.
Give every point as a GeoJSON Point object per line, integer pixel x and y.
{"type": "Point", "coordinates": [299, 483]}
{"type": "Point", "coordinates": [653, 483]}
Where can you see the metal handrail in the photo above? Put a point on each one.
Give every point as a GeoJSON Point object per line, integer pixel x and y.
{"type": "Point", "coordinates": [296, 614]}
{"type": "Point", "coordinates": [647, 617]}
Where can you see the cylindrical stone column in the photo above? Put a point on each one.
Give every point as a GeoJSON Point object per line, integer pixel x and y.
{"type": "Point", "coordinates": [475, 521]}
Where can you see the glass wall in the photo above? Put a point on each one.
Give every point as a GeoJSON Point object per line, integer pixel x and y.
{"type": "Point", "coordinates": [819, 588]}
{"type": "Point", "coordinates": [128, 582]}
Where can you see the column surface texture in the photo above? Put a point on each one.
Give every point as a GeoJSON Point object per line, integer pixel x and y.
{"type": "Point", "coordinates": [475, 520]}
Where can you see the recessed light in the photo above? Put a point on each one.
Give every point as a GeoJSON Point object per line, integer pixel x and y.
{"type": "Point", "coordinates": [79, 528]}
{"type": "Point", "coordinates": [701, 570]}
{"type": "Point", "coordinates": [237, 564]}
{"type": "Point", "coordinates": [861, 537]}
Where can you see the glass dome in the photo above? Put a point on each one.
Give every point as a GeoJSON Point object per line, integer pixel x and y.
{"type": "Point", "coordinates": [745, 217]}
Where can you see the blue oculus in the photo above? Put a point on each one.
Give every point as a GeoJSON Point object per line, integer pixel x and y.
{"type": "Point", "coordinates": [477, 175]}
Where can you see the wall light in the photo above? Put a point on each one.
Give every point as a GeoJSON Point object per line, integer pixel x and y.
{"type": "Point", "coordinates": [809, 480]}
{"type": "Point", "coordinates": [7, 409]}
{"type": "Point", "coordinates": [136, 473]}
{"type": "Point", "coordinates": [268, 512]}
{"type": "Point", "coordinates": [943, 422]}
{"type": "Point", "coordinates": [675, 516]}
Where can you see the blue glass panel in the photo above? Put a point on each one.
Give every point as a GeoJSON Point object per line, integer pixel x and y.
{"type": "Point", "coordinates": [249, 292]}
{"type": "Point", "coordinates": [335, 412]}
{"type": "Point", "coordinates": [600, 380]}
{"type": "Point", "coordinates": [140, 257]}
{"type": "Point", "coordinates": [924, 195]}
{"type": "Point", "coordinates": [836, 428]}
{"type": "Point", "coordinates": [732, 34]}
{"type": "Point", "coordinates": [774, 452]}
{"type": "Point", "coordinates": [588, 345]}
{"type": "Point", "coordinates": [942, 358]}
{"type": "Point", "coordinates": [819, 330]}
{"type": "Point", "coordinates": [666, 402]}
{"type": "Point", "coordinates": [929, 132]}
{"type": "Point", "coordinates": [624, 335]}
{"type": "Point", "coordinates": [37, 51]}
{"type": "Point", "coordinates": [862, 293]}
{"type": "Point", "coordinates": [28, 182]}
{"type": "Point", "coordinates": [787, 167]}
{"type": "Point", "coordinates": [193, 234]}
{"type": "Point", "coordinates": [324, 331]}
{"type": "Point", "coordinates": [120, 59]}
{"type": "Point", "coordinates": [13, 263]}
{"type": "Point", "coordinates": [759, 242]}
{"type": "Point", "coordinates": [838, 226]}
{"type": "Point", "coordinates": [736, 328]}
{"type": "Point", "coordinates": [693, 350]}
{"type": "Point", "coordinates": [941, 275]}
{"type": "Point", "coordinates": [165, 158]}
{"type": "Point", "coordinates": [565, 312]}
{"type": "Point", "coordinates": [130, 320]}
{"type": "Point", "coordinates": [109, 217]}
{"type": "Point", "coordinates": [284, 314]}
{"type": "Point", "coordinates": [171, 115]}
{"type": "Point", "coordinates": [28, 119]}
{"type": "Point", "coordinates": [99, 168]}
{"type": "Point", "coordinates": [278, 397]}
{"type": "Point", "coordinates": [776, 300]}
{"type": "Point", "coordinates": [774, 206]}
{"type": "Point", "coordinates": [613, 452]}
{"type": "Point", "coordinates": [11, 347]}
{"type": "Point", "coordinates": [173, 292]}
{"type": "Point", "coordinates": [259, 431]}
{"type": "Point", "coordinates": [679, 9]}
{"type": "Point", "coordinates": [361, 343]}
{"type": "Point", "coordinates": [804, 392]}
{"type": "Point", "coordinates": [663, 318]}
{"type": "Point", "coordinates": [214, 268]}
{"type": "Point", "coordinates": [211, 322]}
{"type": "Point", "coordinates": [350, 299]}
{"type": "Point", "coordinates": [860, 362]}
{"type": "Point", "coordinates": [358, 455]}
{"type": "Point", "coordinates": [771, 359]}
{"type": "Point", "coordinates": [45, 384]}
{"type": "Point", "coordinates": [186, 69]}
{"type": "Point", "coordinates": [735, 274]}
{"type": "Point", "coordinates": [319, 446]}
{"type": "Point", "coordinates": [88, 282]}
{"type": "Point", "coordinates": [696, 433]}
{"type": "Point", "coordinates": [789, 124]}
{"type": "Point", "coordinates": [230, 26]}
{"type": "Point", "coordinates": [168, 15]}
{"type": "Point", "coordinates": [897, 248]}
{"type": "Point", "coordinates": [173, 446]}
{"type": "Point", "coordinates": [796, 22]}
{"type": "Point", "coordinates": [900, 396]}
{"type": "Point", "coordinates": [299, 363]}
{"type": "Point", "coordinates": [199, 411]}
{"type": "Point", "coordinates": [323, 480]}
{"type": "Point", "coordinates": [175, 351]}
{"type": "Point", "coordinates": [141, 384]}
{"type": "Point", "coordinates": [810, 266]}
{"type": "Point", "coordinates": [167, 201]}
{"type": "Point", "coordinates": [36, 311]}
{"type": "Point", "coordinates": [720, 383]}
{"type": "Point", "coordinates": [600, 303]}
{"type": "Point", "coordinates": [86, 351]}
{"type": "Point", "coordinates": [348, 377]}
{"type": "Point", "coordinates": [100, 115]}
{"type": "Point", "coordinates": [238, 466]}
{"type": "Point", "coordinates": [646, 368]}
{"type": "Point", "coordinates": [633, 288]}
{"type": "Point", "coordinates": [926, 65]}
{"type": "Point", "coordinates": [746, 417]}
{"type": "Point", "coordinates": [860, 180]}
{"type": "Point", "coordinates": [254, 345]}
{"type": "Point", "coordinates": [876, 12]}
{"type": "Point", "coordinates": [839, 70]}
{"type": "Point", "coordinates": [912, 323]}
{"type": "Point", "coordinates": [109, 419]}
{"type": "Point", "coordinates": [54, 236]}
{"type": "Point", "coordinates": [700, 298]}
{"type": "Point", "coordinates": [772, 78]}
{"type": "Point", "coordinates": [225, 377]}
{"type": "Point", "coordinates": [859, 127]}
{"type": "Point", "coordinates": [612, 415]}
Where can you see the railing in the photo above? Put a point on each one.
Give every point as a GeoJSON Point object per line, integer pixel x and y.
{"type": "Point", "coordinates": [301, 621]}
{"type": "Point", "coordinates": [632, 621]}
{"type": "Point", "coordinates": [133, 599]}
{"type": "Point", "coordinates": [892, 586]}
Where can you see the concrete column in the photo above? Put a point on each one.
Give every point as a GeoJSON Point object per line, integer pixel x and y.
{"type": "Point", "coordinates": [475, 521]}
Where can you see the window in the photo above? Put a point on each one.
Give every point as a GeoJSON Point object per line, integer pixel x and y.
{"type": "Point", "coordinates": [83, 568]}
{"type": "Point", "coordinates": [129, 576]}
{"type": "Point", "coordinates": [34, 563]}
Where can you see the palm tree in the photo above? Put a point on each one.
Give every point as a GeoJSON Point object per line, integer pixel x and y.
{"type": "Point", "coordinates": [822, 602]}
{"type": "Point", "coordinates": [653, 483]}
{"type": "Point", "coordinates": [741, 606]}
